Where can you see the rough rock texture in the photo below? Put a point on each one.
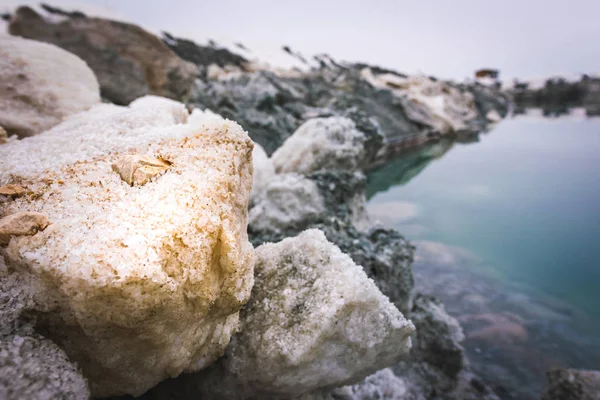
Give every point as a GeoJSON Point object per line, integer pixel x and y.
{"type": "Point", "coordinates": [288, 200]}
{"type": "Point", "coordinates": [40, 85]}
{"type": "Point", "coordinates": [384, 254]}
{"type": "Point", "coordinates": [437, 367]}
{"type": "Point", "coordinates": [136, 284]}
{"type": "Point", "coordinates": [572, 384]}
{"type": "Point", "coordinates": [32, 367]}
{"type": "Point", "coordinates": [128, 61]}
{"type": "Point", "coordinates": [21, 224]}
{"type": "Point", "coordinates": [382, 385]}
{"type": "Point", "coordinates": [264, 172]}
{"type": "Point", "coordinates": [314, 320]}
{"type": "Point", "coordinates": [322, 144]}
{"type": "Point", "coordinates": [203, 55]}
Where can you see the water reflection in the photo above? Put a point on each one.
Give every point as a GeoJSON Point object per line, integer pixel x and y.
{"type": "Point", "coordinates": [405, 167]}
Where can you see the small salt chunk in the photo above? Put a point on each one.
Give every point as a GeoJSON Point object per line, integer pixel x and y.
{"type": "Point", "coordinates": [12, 190]}
{"type": "Point", "coordinates": [22, 224]}
{"type": "Point", "coordinates": [3, 135]}
{"type": "Point", "coordinates": [138, 170]}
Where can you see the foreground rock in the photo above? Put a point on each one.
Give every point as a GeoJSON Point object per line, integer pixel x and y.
{"type": "Point", "coordinates": [139, 283]}
{"type": "Point", "coordinates": [40, 85]}
{"type": "Point", "coordinates": [314, 320]}
{"type": "Point", "coordinates": [572, 384]}
{"type": "Point", "coordinates": [128, 61]}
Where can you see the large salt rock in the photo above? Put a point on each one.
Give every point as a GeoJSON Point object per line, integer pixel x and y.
{"type": "Point", "coordinates": [264, 172]}
{"type": "Point", "coordinates": [314, 320]}
{"type": "Point", "coordinates": [40, 85]}
{"type": "Point", "coordinates": [320, 144]}
{"type": "Point", "coordinates": [288, 200]}
{"type": "Point", "coordinates": [135, 283]}
{"type": "Point", "coordinates": [129, 61]}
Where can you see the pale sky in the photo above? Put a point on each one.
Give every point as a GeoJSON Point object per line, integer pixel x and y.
{"type": "Point", "coordinates": [445, 38]}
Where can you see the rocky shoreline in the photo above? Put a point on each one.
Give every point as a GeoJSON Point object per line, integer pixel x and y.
{"type": "Point", "coordinates": [558, 95]}
{"type": "Point", "coordinates": [153, 248]}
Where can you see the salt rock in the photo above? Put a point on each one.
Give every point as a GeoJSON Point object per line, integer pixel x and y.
{"type": "Point", "coordinates": [140, 283]}
{"type": "Point", "coordinates": [129, 61]}
{"type": "Point", "coordinates": [32, 367]}
{"type": "Point", "coordinates": [314, 320]}
{"type": "Point", "coordinates": [138, 170]}
{"type": "Point", "coordinates": [428, 102]}
{"type": "Point", "coordinates": [3, 135]}
{"type": "Point", "coordinates": [40, 85]}
{"type": "Point", "coordinates": [382, 385]}
{"type": "Point", "coordinates": [320, 144]}
{"type": "Point", "coordinates": [289, 199]}
{"type": "Point", "coordinates": [264, 172]}
{"type": "Point", "coordinates": [21, 224]}
{"type": "Point", "coordinates": [12, 191]}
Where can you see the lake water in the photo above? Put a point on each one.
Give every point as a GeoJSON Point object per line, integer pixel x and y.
{"type": "Point", "coordinates": [507, 231]}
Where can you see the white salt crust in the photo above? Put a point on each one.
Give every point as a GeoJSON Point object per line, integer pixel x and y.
{"type": "Point", "coordinates": [321, 144]}
{"type": "Point", "coordinates": [314, 320]}
{"type": "Point", "coordinates": [139, 283]}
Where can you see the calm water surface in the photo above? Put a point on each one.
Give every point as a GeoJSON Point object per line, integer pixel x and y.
{"type": "Point", "coordinates": [508, 235]}
{"type": "Point", "coordinates": [526, 199]}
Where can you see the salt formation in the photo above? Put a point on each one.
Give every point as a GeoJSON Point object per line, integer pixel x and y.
{"type": "Point", "coordinates": [382, 385]}
{"type": "Point", "coordinates": [3, 136]}
{"type": "Point", "coordinates": [264, 172]}
{"type": "Point", "coordinates": [40, 84]}
{"type": "Point", "coordinates": [139, 283]}
{"type": "Point", "coordinates": [289, 199]}
{"type": "Point", "coordinates": [432, 103]}
{"type": "Point", "coordinates": [314, 320]}
{"type": "Point", "coordinates": [35, 368]}
{"type": "Point", "coordinates": [138, 170]}
{"type": "Point", "coordinates": [22, 224]}
{"type": "Point", "coordinates": [11, 191]}
{"type": "Point", "coordinates": [321, 143]}
{"type": "Point", "coordinates": [128, 61]}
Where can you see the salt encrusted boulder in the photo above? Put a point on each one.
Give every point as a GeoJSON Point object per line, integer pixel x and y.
{"type": "Point", "coordinates": [264, 172]}
{"type": "Point", "coordinates": [40, 85]}
{"type": "Point", "coordinates": [321, 144]}
{"type": "Point", "coordinates": [572, 384]}
{"type": "Point", "coordinates": [289, 199]}
{"type": "Point", "coordinates": [314, 320]}
{"type": "Point", "coordinates": [32, 367]}
{"type": "Point", "coordinates": [139, 283]}
{"type": "Point", "coordinates": [385, 255]}
{"type": "Point", "coordinates": [128, 61]}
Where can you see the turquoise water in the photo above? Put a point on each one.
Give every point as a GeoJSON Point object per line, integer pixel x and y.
{"type": "Point", "coordinates": [525, 199]}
